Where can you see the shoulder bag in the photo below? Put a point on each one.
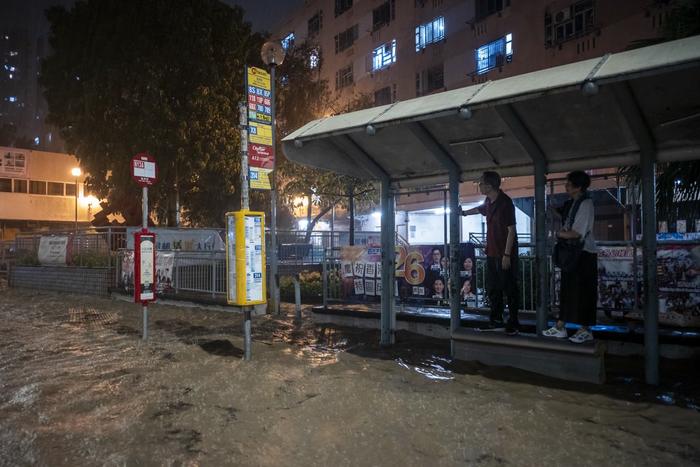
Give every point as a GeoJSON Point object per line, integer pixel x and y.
{"type": "Point", "coordinates": [567, 252]}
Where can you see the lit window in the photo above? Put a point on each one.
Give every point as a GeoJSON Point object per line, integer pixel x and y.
{"type": "Point", "coordinates": [288, 41]}
{"type": "Point", "coordinates": [430, 32]}
{"type": "Point", "coordinates": [313, 59]}
{"type": "Point", "coordinates": [384, 55]}
{"type": "Point", "coordinates": [36, 140]}
{"type": "Point", "coordinates": [12, 99]}
{"type": "Point", "coordinates": [494, 54]}
{"type": "Point", "coordinates": [13, 53]}
{"type": "Point", "coordinates": [10, 75]}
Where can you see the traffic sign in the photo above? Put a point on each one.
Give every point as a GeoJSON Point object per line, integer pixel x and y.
{"type": "Point", "coordinates": [144, 170]}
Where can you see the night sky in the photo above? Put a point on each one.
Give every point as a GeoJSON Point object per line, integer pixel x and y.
{"type": "Point", "coordinates": [29, 13]}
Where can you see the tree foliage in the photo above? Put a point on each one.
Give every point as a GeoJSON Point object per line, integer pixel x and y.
{"type": "Point", "coordinates": [162, 76]}
{"type": "Point", "coordinates": [303, 97]}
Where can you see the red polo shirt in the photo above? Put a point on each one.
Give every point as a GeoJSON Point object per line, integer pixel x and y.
{"type": "Point", "coordinates": [500, 214]}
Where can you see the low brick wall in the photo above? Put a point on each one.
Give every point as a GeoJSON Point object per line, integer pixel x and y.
{"type": "Point", "coordinates": [90, 281]}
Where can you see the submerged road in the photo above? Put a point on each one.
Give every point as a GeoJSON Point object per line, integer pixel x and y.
{"type": "Point", "coordinates": [79, 387]}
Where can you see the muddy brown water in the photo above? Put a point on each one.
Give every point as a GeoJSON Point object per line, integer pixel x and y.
{"type": "Point", "coordinates": [79, 387]}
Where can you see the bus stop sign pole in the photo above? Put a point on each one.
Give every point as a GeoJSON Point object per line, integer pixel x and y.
{"type": "Point", "coordinates": [144, 171]}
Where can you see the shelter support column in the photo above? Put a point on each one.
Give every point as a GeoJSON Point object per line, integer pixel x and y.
{"type": "Point", "coordinates": [455, 215]}
{"type": "Point", "coordinates": [349, 147]}
{"type": "Point", "coordinates": [527, 141]}
{"type": "Point", "coordinates": [541, 247]}
{"type": "Point", "coordinates": [647, 161]}
{"type": "Point", "coordinates": [445, 159]}
{"type": "Point", "coordinates": [388, 257]}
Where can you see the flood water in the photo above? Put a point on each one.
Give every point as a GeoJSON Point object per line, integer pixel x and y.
{"type": "Point", "coordinates": [79, 387]}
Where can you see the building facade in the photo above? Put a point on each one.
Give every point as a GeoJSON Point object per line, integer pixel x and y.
{"type": "Point", "coordinates": [38, 192]}
{"type": "Point", "coordinates": [394, 50]}
{"type": "Point", "coordinates": [400, 49]}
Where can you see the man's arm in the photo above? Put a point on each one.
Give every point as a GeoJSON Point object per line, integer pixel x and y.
{"type": "Point", "coordinates": [471, 211]}
{"type": "Point", "coordinates": [510, 240]}
{"type": "Point", "coordinates": [505, 262]}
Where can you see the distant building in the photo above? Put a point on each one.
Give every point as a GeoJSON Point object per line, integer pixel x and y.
{"type": "Point", "coordinates": [38, 192]}
{"type": "Point", "coordinates": [22, 105]}
{"type": "Point", "coordinates": [400, 49]}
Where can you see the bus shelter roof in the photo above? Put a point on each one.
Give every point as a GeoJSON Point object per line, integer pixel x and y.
{"type": "Point", "coordinates": [576, 116]}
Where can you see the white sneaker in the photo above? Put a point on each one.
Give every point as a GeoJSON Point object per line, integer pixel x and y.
{"type": "Point", "coordinates": [556, 333]}
{"type": "Point", "coordinates": [581, 337]}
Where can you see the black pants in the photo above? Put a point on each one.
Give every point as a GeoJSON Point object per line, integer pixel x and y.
{"type": "Point", "coordinates": [578, 299]}
{"type": "Point", "coordinates": [501, 281]}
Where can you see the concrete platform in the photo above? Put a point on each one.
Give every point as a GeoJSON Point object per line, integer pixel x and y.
{"type": "Point", "coordinates": [551, 357]}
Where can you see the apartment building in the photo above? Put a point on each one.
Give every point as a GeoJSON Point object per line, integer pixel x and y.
{"type": "Point", "coordinates": [400, 49]}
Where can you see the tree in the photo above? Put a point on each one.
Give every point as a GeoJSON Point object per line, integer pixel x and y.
{"type": "Point", "coordinates": [677, 186]}
{"type": "Point", "coordinates": [162, 76]}
{"type": "Point", "coordinates": [303, 97]}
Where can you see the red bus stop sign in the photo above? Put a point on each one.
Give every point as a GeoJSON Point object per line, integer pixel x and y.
{"type": "Point", "coordinates": [144, 169]}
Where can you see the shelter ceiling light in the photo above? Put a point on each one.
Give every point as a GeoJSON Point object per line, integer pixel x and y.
{"type": "Point", "coordinates": [465, 113]}
{"type": "Point", "coordinates": [298, 143]}
{"type": "Point", "coordinates": [590, 88]}
{"type": "Point", "coordinates": [371, 130]}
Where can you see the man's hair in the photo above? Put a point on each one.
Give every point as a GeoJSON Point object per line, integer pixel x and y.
{"type": "Point", "coordinates": [436, 249]}
{"type": "Point", "coordinates": [492, 178]}
{"type": "Point", "coordinates": [579, 179]}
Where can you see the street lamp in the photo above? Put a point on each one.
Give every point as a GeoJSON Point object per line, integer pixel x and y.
{"type": "Point", "coordinates": [76, 172]}
{"type": "Point", "coordinates": [272, 54]}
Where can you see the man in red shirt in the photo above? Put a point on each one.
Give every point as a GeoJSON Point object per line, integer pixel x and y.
{"type": "Point", "coordinates": [501, 250]}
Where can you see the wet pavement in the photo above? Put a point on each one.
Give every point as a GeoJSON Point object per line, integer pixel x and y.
{"type": "Point", "coordinates": [79, 387]}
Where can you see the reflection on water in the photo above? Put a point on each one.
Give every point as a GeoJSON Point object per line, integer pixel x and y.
{"type": "Point", "coordinates": [428, 368]}
{"type": "Point", "coordinates": [79, 387]}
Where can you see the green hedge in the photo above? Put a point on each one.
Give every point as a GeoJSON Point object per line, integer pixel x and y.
{"type": "Point", "coordinates": [310, 284]}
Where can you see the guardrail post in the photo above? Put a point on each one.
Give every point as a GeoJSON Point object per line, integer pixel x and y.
{"type": "Point", "coordinates": [297, 297]}
{"type": "Point", "coordinates": [213, 275]}
{"type": "Point", "coordinates": [324, 277]}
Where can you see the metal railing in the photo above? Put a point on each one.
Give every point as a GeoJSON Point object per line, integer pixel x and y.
{"type": "Point", "coordinates": [94, 247]}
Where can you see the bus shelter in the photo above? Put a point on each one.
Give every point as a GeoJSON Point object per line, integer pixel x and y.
{"type": "Point", "coordinates": [638, 107]}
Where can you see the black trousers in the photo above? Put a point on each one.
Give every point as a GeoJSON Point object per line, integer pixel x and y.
{"type": "Point", "coordinates": [578, 299]}
{"type": "Point", "coordinates": [501, 281]}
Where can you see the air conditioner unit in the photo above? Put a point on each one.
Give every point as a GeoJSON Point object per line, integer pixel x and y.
{"type": "Point", "coordinates": [562, 15]}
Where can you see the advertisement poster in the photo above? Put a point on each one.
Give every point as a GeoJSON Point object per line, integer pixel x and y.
{"type": "Point", "coordinates": [13, 163]}
{"type": "Point", "coordinates": [679, 285]}
{"type": "Point", "coordinates": [53, 251]}
{"type": "Point", "coordinates": [146, 269]}
{"type": "Point", "coordinates": [255, 262]}
{"type": "Point", "coordinates": [165, 267]}
{"type": "Point", "coordinates": [678, 282]}
{"type": "Point", "coordinates": [421, 273]}
{"type": "Point", "coordinates": [616, 282]}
